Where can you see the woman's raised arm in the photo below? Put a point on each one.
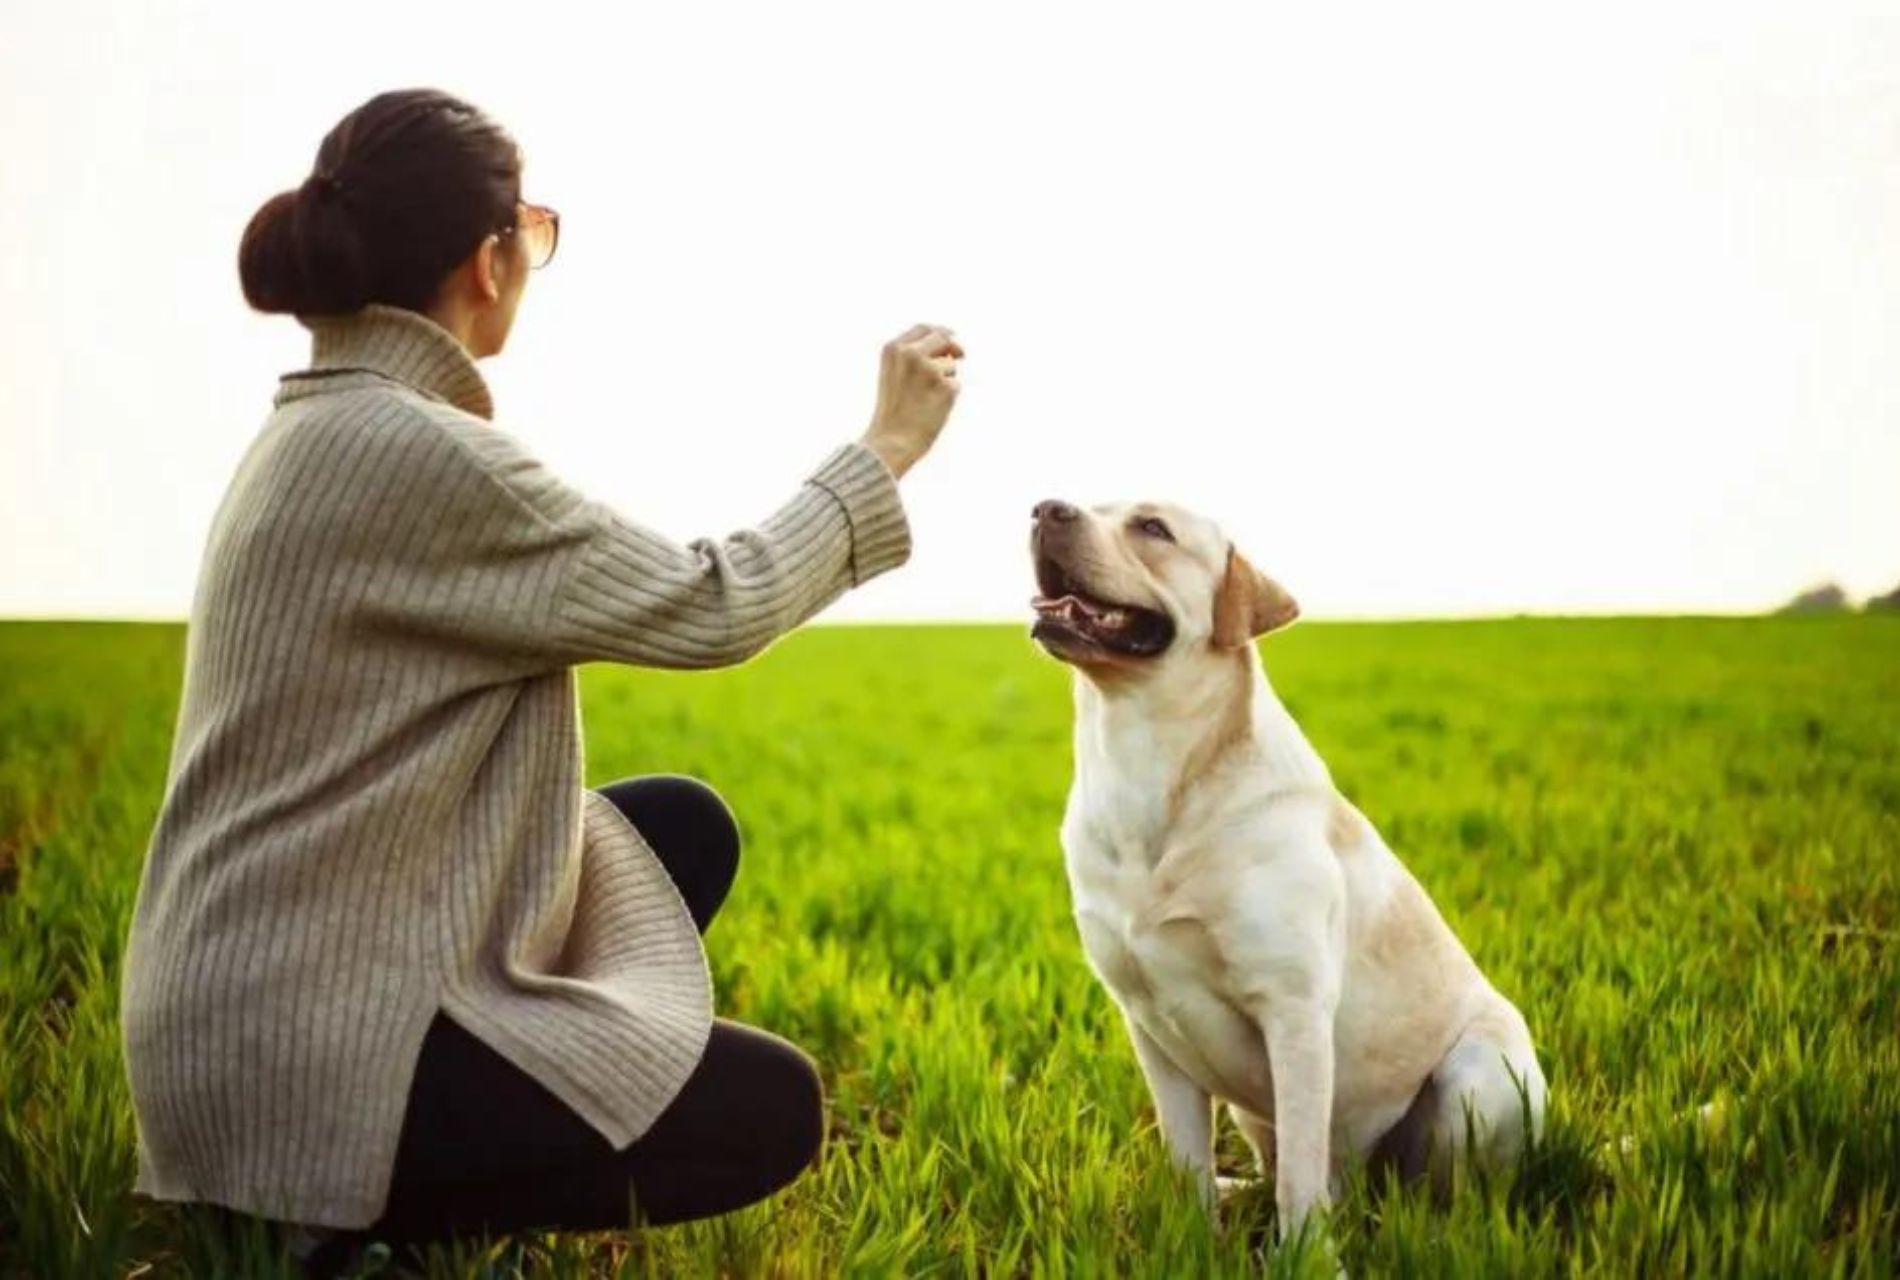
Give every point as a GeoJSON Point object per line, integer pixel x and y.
{"type": "Point", "coordinates": [526, 565]}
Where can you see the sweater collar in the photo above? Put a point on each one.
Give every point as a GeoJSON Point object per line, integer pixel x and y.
{"type": "Point", "coordinates": [399, 344]}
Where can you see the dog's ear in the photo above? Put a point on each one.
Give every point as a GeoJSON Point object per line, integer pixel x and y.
{"type": "Point", "coordinates": [1249, 604]}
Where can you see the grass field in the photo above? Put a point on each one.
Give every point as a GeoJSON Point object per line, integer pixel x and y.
{"type": "Point", "coordinates": [1676, 844]}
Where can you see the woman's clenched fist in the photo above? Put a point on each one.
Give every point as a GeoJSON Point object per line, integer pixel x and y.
{"type": "Point", "coordinates": [916, 387]}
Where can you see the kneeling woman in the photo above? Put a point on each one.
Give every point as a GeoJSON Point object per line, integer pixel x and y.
{"type": "Point", "coordinates": [393, 970]}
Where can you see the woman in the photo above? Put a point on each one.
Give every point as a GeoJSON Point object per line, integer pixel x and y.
{"type": "Point", "coordinates": [393, 970]}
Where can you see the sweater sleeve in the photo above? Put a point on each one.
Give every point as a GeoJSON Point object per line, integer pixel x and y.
{"type": "Point", "coordinates": [532, 569]}
{"type": "Point", "coordinates": [635, 596]}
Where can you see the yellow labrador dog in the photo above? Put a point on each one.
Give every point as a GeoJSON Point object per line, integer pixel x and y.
{"type": "Point", "coordinates": [1265, 946]}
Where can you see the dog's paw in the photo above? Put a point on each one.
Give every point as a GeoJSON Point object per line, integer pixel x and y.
{"type": "Point", "coordinates": [1311, 1250]}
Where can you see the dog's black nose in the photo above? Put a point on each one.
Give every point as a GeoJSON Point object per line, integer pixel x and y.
{"type": "Point", "coordinates": [1054, 509]}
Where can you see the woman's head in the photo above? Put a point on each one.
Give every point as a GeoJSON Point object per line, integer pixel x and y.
{"type": "Point", "coordinates": [414, 202]}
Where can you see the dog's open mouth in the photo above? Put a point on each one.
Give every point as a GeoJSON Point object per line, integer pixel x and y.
{"type": "Point", "coordinates": [1066, 614]}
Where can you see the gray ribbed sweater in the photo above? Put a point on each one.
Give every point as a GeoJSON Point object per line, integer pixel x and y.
{"type": "Point", "coordinates": [375, 807]}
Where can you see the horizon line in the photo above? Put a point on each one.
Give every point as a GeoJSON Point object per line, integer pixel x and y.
{"type": "Point", "coordinates": [1350, 619]}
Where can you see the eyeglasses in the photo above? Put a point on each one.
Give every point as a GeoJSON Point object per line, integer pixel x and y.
{"type": "Point", "coordinates": [540, 230]}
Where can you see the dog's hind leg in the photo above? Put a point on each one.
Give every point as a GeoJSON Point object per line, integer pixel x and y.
{"type": "Point", "coordinates": [1488, 1088]}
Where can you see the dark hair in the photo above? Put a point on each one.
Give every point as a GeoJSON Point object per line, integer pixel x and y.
{"type": "Point", "coordinates": [406, 186]}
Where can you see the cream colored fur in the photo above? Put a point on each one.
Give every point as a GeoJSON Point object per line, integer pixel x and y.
{"type": "Point", "coordinates": [1266, 947]}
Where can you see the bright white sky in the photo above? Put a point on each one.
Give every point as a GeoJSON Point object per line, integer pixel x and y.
{"type": "Point", "coordinates": [1441, 309]}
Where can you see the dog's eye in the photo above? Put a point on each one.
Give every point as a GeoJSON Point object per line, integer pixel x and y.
{"type": "Point", "coordinates": [1155, 528]}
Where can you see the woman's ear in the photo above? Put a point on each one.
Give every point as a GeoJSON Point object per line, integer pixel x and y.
{"type": "Point", "coordinates": [487, 262]}
{"type": "Point", "coordinates": [1249, 604]}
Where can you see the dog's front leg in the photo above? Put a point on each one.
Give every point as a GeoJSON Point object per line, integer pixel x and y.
{"type": "Point", "coordinates": [1299, 1036]}
{"type": "Point", "coordinates": [1185, 1110]}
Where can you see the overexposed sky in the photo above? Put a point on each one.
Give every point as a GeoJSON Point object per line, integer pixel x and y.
{"type": "Point", "coordinates": [1441, 309]}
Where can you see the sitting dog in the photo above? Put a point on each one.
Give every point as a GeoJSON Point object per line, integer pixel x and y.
{"type": "Point", "coordinates": [1266, 948]}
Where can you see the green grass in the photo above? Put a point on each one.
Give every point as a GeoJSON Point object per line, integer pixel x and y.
{"type": "Point", "coordinates": [1675, 843]}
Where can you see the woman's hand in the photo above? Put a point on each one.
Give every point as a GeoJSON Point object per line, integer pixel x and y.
{"type": "Point", "coordinates": [916, 388]}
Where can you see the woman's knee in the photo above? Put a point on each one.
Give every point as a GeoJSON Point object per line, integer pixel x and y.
{"type": "Point", "coordinates": [710, 816]}
{"type": "Point", "coordinates": [690, 828]}
{"type": "Point", "coordinates": [784, 1111]}
{"type": "Point", "coordinates": [787, 1105]}
{"type": "Point", "coordinates": [749, 1121]}
{"type": "Point", "coordinates": [671, 808]}
{"type": "Point", "coordinates": [803, 1137]}
{"type": "Point", "coordinates": [782, 1147]}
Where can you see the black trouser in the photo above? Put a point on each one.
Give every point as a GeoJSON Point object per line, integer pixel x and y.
{"type": "Point", "coordinates": [485, 1148]}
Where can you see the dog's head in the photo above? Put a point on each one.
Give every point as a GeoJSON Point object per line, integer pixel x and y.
{"type": "Point", "coordinates": [1127, 588]}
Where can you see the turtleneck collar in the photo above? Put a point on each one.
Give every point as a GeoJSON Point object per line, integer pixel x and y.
{"type": "Point", "coordinates": [394, 343]}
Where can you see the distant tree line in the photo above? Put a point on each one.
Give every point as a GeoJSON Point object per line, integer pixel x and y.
{"type": "Point", "coordinates": [1829, 598]}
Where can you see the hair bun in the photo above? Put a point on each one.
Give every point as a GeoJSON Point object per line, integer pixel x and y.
{"type": "Point", "coordinates": [302, 254]}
